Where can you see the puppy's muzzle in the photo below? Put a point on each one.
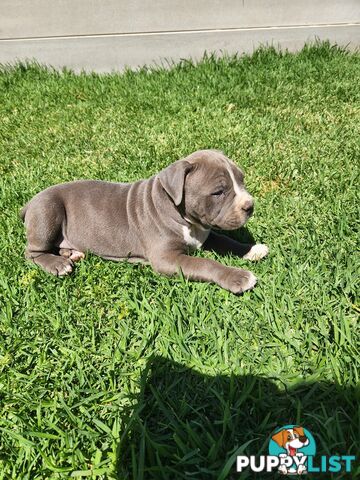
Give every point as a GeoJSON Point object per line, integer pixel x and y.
{"type": "Point", "coordinates": [248, 206]}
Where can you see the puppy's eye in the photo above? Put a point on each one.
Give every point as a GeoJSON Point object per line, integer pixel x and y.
{"type": "Point", "coordinates": [221, 191]}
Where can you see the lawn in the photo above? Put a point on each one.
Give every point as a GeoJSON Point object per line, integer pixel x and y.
{"type": "Point", "coordinates": [117, 372]}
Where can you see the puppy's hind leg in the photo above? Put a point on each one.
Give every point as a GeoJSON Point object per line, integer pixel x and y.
{"type": "Point", "coordinates": [43, 221]}
{"type": "Point", "coordinates": [74, 255]}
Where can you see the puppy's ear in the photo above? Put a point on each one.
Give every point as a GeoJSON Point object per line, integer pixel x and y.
{"type": "Point", "coordinates": [173, 177]}
{"type": "Point", "coordinates": [280, 438]}
{"type": "Point", "coordinates": [300, 431]}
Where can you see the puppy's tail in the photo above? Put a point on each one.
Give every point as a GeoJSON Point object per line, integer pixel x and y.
{"type": "Point", "coordinates": [22, 212]}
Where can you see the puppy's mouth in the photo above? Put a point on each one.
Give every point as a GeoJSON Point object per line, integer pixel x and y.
{"type": "Point", "coordinates": [249, 213]}
{"type": "Point", "coordinates": [231, 225]}
{"type": "Point", "coordinates": [216, 225]}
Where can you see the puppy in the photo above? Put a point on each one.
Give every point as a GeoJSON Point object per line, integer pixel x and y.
{"type": "Point", "coordinates": [158, 220]}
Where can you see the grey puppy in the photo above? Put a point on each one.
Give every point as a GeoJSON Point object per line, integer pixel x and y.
{"type": "Point", "coordinates": [158, 220]}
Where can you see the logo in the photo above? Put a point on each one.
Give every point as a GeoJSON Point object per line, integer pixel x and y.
{"type": "Point", "coordinates": [293, 445]}
{"type": "Point", "coordinates": [292, 451]}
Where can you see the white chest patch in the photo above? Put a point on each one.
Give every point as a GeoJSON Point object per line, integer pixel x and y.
{"type": "Point", "coordinates": [194, 236]}
{"type": "Point", "coordinates": [235, 185]}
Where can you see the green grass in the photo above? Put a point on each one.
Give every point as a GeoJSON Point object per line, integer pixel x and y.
{"type": "Point", "coordinates": [117, 372]}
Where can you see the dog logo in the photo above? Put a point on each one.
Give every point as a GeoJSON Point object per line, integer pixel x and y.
{"type": "Point", "coordinates": [292, 451]}
{"type": "Point", "coordinates": [293, 444]}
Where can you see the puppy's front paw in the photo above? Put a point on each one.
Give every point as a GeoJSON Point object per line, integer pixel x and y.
{"type": "Point", "coordinates": [257, 252]}
{"type": "Point", "coordinates": [74, 255]}
{"type": "Point", "coordinates": [58, 266]}
{"type": "Point", "coordinates": [61, 267]}
{"type": "Point", "coordinates": [237, 281]}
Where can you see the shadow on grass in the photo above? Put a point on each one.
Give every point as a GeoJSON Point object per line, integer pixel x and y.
{"type": "Point", "coordinates": [242, 235]}
{"type": "Point", "coordinates": [189, 425]}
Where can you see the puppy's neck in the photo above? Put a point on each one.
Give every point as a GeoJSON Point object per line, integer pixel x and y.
{"type": "Point", "coordinates": [196, 224]}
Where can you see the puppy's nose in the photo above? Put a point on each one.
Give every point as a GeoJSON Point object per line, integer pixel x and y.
{"type": "Point", "coordinates": [248, 206]}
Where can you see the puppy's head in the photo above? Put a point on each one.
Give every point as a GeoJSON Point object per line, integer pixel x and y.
{"type": "Point", "coordinates": [295, 437]}
{"type": "Point", "coordinates": [210, 189]}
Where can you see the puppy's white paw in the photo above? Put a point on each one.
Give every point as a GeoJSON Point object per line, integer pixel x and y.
{"type": "Point", "coordinates": [64, 267]}
{"type": "Point", "coordinates": [251, 281]}
{"type": "Point", "coordinates": [237, 280]}
{"type": "Point", "coordinates": [257, 252]}
{"type": "Point", "coordinates": [76, 256]}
